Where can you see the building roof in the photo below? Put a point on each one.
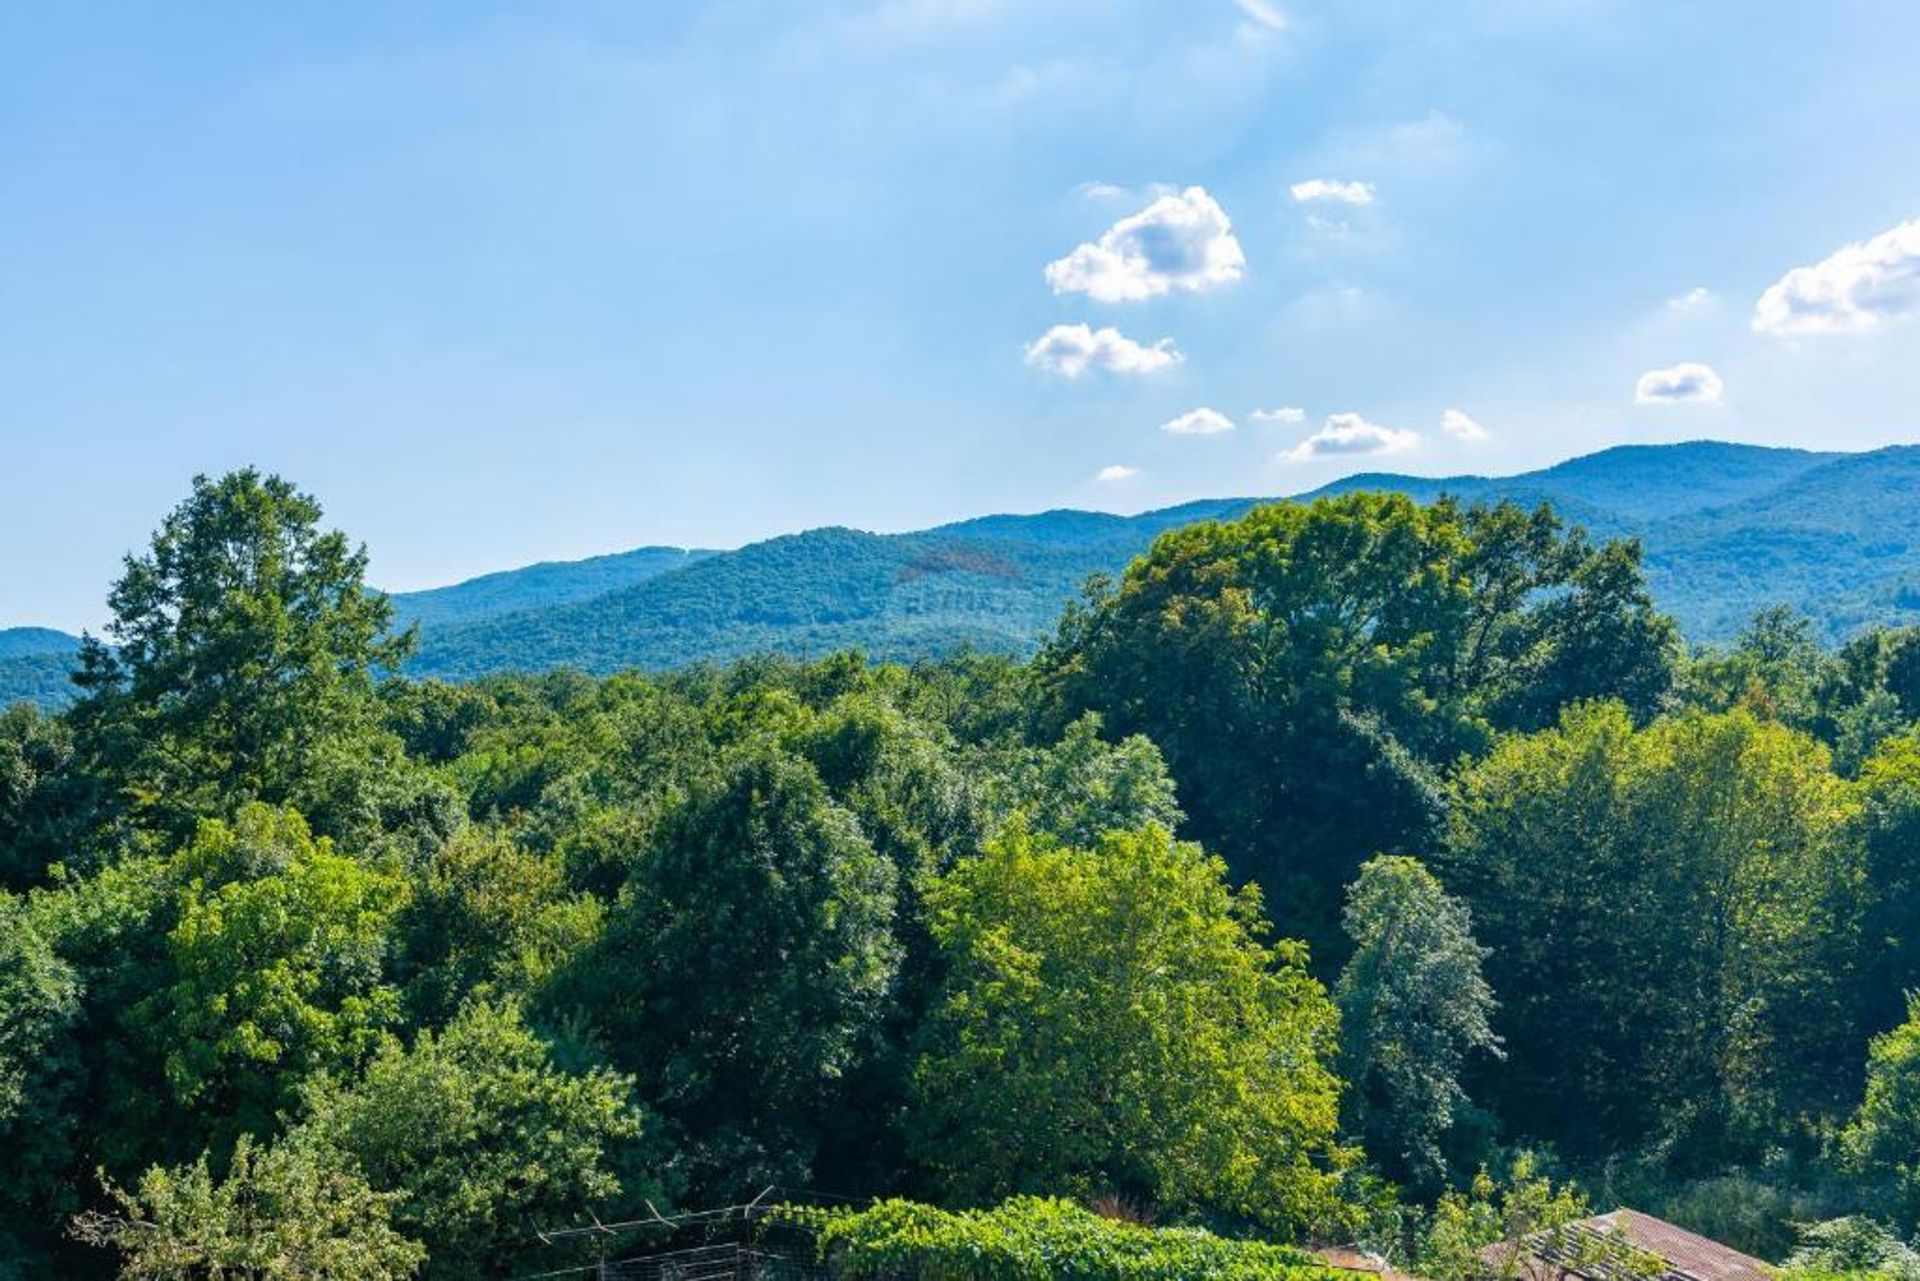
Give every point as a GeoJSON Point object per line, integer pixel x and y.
{"type": "Point", "coordinates": [1688, 1255]}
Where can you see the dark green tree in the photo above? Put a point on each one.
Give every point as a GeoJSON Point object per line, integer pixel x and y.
{"type": "Point", "coordinates": [479, 1139]}
{"type": "Point", "coordinates": [1414, 1007]}
{"type": "Point", "coordinates": [244, 649]}
{"type": "Point", "coordinates": [1310, 670]}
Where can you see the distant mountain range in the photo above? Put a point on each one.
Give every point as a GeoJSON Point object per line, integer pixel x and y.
{"type": "Point", "coordinates": [1727, 529]}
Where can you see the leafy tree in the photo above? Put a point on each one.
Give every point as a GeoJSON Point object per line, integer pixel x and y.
{"type": "Point", "coordinates": [1889, 836]}
{"type": "Point", "coordinates": [39, 1075]}
{"type": "Point", "coordinates": [280, 1211]}
{"type": "Point", "coordinates": [1082, 787]}
{"type": "Point", "coordinates": [279, 962]}
{"type": "Point", "coordinates": [492, 918]}
{"type": "Point", "coordinates": [478, 1140]}
{"type": "Point", "coordinates": [1413, 1006]}
{"type": "Point", "coordinates": [1853, 1246]}
{"type": "Point", "coordinates": [244, 644]}
{"type": "Point", "coordinates": [747, 967]}
{"type": "Point", "coordinates": [45, 800]}
{"type": "Point", "coordinates": [1671, 913]}
{"type": "Point", "coordinates": [1884, 1135]}
{"type": "Point", "coordinates": [1492, 1231]}
{"type": "Point", "coordinates": [1309, 669]}
{"type": "Point", "coordinates": [1110, 1021]}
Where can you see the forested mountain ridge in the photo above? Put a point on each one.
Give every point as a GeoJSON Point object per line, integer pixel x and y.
{"type": "Point", "coordinates": [1726, 528]}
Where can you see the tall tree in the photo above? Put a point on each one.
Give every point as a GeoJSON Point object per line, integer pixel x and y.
{"type": "Point", "coordinates": [746, 968]}
{"type": "Point", "coordinates": [1672, 913]}
{"type": "Point", "coordinates": [1111, 1021]}
{"type": "Point", "coordinates": [244, 644]}
{"type": "Point", "coordinates": [1413, 1006]}
{"type": "Point", "coordinates": [1309, 670]}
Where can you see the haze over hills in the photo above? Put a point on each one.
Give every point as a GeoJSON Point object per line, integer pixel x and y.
{"type": "Point", "coordinates": [1727, 529]}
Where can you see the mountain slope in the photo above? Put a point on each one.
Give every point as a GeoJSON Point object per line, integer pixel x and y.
{"type": "Point", "coordinates": [1726, 528]}
{"type": "Point", "coordinates": [22, 642]}
{"type": "Point", "coordinates": [537, 586]}
{"type": "Point", "coordinates": [1710, 514]}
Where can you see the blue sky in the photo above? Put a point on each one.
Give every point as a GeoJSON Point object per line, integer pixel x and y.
{"type": "Point", "coordinates": [503, 283]}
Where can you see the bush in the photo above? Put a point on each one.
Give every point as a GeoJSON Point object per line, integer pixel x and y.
{"type": "Point", "coordinates": [1035, 1238]}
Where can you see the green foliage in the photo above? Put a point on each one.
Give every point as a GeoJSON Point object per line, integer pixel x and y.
{"type": "Point", "coordinates": [1082, 787]}
{"type": "Point", "coordinates": [1413, 1006]}
{"type": "Point", "coordinates": [477, 1140]}
{"type": "Point", "coordinates": [39, 1071]}
{"type": "Point", "coordinates": [1889, 836]}
{"type": "Point", "coordinates": [1111, 1022]}
{"type": "Point", "coordinates": [1037, 1239]}
{"type": "Point", "coordinates": [746, 966]}
{"type": "Point", "coordinates": [279, 961]}
{"type": "Point", "coordinates": [45, 798]}
{"type": "Point", "coordinates": [1492, 1230]}
{"type": "Point", "coordinates": [487, 917]}
{"type": "Point", "coordinates": [1852, 1246]}
{"type": "Point", "coordinates": [245, 644]}
{"type": "Point", "coordinates": [284, 1211]}
{"type": "Point", "coordinates": [1670, 911]}
{"type": "Point", "coordinates": [1324, 662]}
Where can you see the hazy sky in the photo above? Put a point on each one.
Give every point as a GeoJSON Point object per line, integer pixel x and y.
{"type": "Point", "coordinates": [508, 282]}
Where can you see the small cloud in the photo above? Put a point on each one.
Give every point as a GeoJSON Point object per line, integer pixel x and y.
{"type": "Point", "coordinates": [1280, 414]}
{"type": "Point", "coordinates": [1263, 13]}
{"type": "Point", "coordinates": [1692, 300]}
{"type": "Point", "coordinates": [1198, 422]}
{"type": "Point", "coordinates": [1853, 289]}
{"type": "Point", "coordinates": [1345, 193]}
{"type": "Point", "coordinates": [1180, 241]}
{"type": "Point", "coordinates": [1071, 350]}
{"type": "Point", "coordinates": [1457, 425]}
{"type": "Point", "coordinates": [1101, 190]}
{"type": "Point", "coordinates": [1118, 471]}
{"type": "Point", "coordinates": [1349, 436]}
{"type": "Point", "coordinates": [1687, 381]}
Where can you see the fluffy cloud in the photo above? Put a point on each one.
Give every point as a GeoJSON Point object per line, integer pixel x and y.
{"type": "Point", "coordinates": [1345, 193]}
{"type": "Point", "coordinates": [1349, 436]}
{"type": "Point", "coordinates": [1280, 414]}
{"type": "Point", "coordinates": [1180, 241]}
{"type": "Point", "coordinates": [1074, 349]}
{"type": "Point", "coordinates": [1457, 425]}
{"type": "Point", "coordinates": [1198, 422]}
{"type": "Point", "coordinates": [1692, 300]}
{"type": "Point", "coordinates": [1854, 289]}
{"type": "Point", "coordinates": [1685, 381]}
{"type": "Point", "coordinates": [1118, 471]}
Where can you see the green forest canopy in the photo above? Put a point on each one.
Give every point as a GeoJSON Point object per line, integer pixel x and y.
{"type": "Point", "coordinates": [1350, 870]}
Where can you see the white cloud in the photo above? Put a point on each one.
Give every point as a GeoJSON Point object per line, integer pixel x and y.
{"type": "Point", "coordinates": [1457, 425]}
{"type": "Point", "coordinates": [1118, 471]}
{"type": "Point", "coordinates": [1263, 13]}
{"type": "Point", "coordinates": [1072, 350]}
{"type": "Point", "coordinates": [1280, 414]}
{"type": "Point", "coordinates": [1181, 241]}
{"type": "Point", "coordinates": [1345, 193]}
{"type": "Point", "coordinates": [1101, 190]}
{"type": "Point", "coordinates": [1692, 300]}
{"type": "Point", "coordinates": [1198, 422]}
{"type": "Point", "coordinates": [1853, 289]}
{"type": "Point", "coordinates": [1349, 436]}
{"type": "Point", "coordinates": [1683, 382]}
